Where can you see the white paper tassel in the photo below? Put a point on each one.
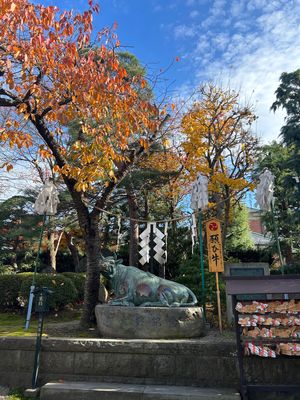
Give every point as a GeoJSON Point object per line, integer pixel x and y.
{"type": "Point", "coordinates": [158, 236]}
{"type": "Point", "coordinates": [193, 232]}
{"type": "Point", "coordinates": [144, 244]}
{"type": "Point", "coordinates": [166, 241]}
{"type": "Point", "coordinates": [199, 196]}
{"type": "Point", "coordinates": [159, 244]}
{"type": "Point", "coordinates": [47, 200]}
{"type": "Point", "coordinates": [265, 190]}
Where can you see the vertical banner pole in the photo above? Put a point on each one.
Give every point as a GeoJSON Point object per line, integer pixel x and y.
{"type": "Point", "coordinates": [277, 238]}
{"type": "Point", "coordinates": [37, 350]}
{"type": "Point", "coordinates": [203, 294]}
{"type": "Point", "coordinates": [32, 287]}
{"type": "Point", "coordinates": [219, 302]}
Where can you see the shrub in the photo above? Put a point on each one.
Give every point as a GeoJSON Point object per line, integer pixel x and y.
{"type": "Point", "coordinates": [78, 279]}
{"type": "Point", "coordinates": [24, 275]}
{"type": "Point", "coordinates": [189, 274]}
{"type": "Point", "coordinates": [64, 290]}
{"type": "Point", "coordinates": [288, 269]}
{"type": "Point", "coordinates": [9, 290]}
{"type": "Point", "coordinates": [252, 255]}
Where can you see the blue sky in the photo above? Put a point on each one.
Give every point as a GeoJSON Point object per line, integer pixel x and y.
{"type": "Point", "coordinates": [244, 44]}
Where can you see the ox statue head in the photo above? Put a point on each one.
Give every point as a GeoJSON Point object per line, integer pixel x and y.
{"type": "Point", "coordinates": [108, 266]}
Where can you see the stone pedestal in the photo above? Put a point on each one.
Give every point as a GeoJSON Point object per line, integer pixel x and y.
{"type": "Point", "coordinates": [149, 322]}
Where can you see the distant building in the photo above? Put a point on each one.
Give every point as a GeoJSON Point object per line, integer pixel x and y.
{"type": "Point", "coordinates": [255, 223]}
{"type": "Point", "coordinates": [260, 237]}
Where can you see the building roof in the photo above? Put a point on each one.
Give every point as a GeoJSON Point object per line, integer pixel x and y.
{"type": "Point", "coordinates": [260, 239]}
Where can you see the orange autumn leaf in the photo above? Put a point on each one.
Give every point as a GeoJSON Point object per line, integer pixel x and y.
{"type": "Point", "coordinates": [55, 75]}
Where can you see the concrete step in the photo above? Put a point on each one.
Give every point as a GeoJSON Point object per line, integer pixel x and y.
{"type": "Point", "coordinates": [117, 391]}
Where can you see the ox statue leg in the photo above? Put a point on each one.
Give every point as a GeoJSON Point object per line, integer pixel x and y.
{"type": "Point", "coordinates": [122, 301]}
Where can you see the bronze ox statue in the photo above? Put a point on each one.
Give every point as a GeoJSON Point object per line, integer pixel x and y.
{"type": "Point", "coordinates": [133, 287]}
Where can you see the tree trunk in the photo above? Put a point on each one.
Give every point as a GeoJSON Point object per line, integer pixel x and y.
{"type": "Point", "coordinates": [134, 228]}
{"type": "Point", "coordinates": [146, 205]}
{"type": "Point", "coordinates": [288, 253]}
{"type": "Point", "coordinates": [92, 248]}
{"type": "Point", "coordinates": [226, 220]}
{"type": "Point", "coordinates": [172, 215]}
{"type": "Point", "coordinates": [73, 251]}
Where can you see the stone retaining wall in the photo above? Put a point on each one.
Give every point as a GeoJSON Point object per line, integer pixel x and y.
{"type": "Point", "coordinates": [204, 362]}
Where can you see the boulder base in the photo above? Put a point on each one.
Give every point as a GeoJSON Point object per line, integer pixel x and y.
{"type": "Point", "coordinates": [149, 322]}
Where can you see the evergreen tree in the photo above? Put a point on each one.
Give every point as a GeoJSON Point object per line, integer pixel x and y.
{"type": "Point", "coordinates": [276, 157]}
{"type": "Point", "coordinates": [239, 235]}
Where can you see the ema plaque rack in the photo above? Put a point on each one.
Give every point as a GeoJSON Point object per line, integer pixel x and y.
{"type": "Point", "coordinates": [266, 328]}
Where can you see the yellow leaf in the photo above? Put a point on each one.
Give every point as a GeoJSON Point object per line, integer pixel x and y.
{"type": "Point", "coordinates": [166, 142]}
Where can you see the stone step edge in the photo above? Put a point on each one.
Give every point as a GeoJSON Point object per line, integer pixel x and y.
{"type": "Point", "coordinates": [162, 391]}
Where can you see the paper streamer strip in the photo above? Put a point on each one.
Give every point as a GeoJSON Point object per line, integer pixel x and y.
{"type": "Point", "coordinates": [193, 232]}
{"type": "Point", "coordinates": [160, 247]}
{"type": "Point", "coordinates": [166, 241]}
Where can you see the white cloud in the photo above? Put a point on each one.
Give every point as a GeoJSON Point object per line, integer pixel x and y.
{"type": "Point", "coordinates": [185, 31]}
{"type": "Point", "coordinates": [237, 8]}
{"type": "Point", "coordinates": [192, 3]}
{"type": "Point", "coordinates": [250, 43]}
{"type": "Point", "coordinates": [194, 14]}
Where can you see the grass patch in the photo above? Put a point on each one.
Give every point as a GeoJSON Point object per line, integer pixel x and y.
{"type": "Point", "coordinates": [18, 394]}
{"type": "Point", "coordinates": [12, 323]}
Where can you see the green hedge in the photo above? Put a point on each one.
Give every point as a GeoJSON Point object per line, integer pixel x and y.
{"type": "Point", "coordinates": [9, 290]}
{"type": "Point", "coordinates": [288, 269]}
{"type": "Point", "coordinates": [78, 279]}
{"type": "Point", "coordinates": [64, 289]}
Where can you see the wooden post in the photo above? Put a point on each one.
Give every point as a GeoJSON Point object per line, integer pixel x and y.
{"type": "Point", "coordinates": [203, 294]}
{"type": "Point", "coordinates": [219, 302]}
{"type": "Point", "coordinates": [215, 256]}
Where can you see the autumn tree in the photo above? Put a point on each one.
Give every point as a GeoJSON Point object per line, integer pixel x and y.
{"type": "Point", "coordinates": [50, 76]}
{"type": "Point", "coordinates": [219, 144]}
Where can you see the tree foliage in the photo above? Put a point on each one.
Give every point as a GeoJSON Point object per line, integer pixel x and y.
{"type": "Point", "coordinates": [51, 82]}
{"type": "Point", "coordinates": [288, 97]}
{"type": "Point", "coordinates": [19, 231]}
{"type": "Point", "coordinates": [219, 144]}
{"type": "Point", "coordinates": [51, 75]}
{"type": "Point", "coordinates": [239, 235]}
{"type": "Point", "coordinates": [276, 158]}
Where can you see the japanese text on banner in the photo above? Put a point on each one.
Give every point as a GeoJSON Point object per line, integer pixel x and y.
{"type": "Point", "coordinates": [214, 245]}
